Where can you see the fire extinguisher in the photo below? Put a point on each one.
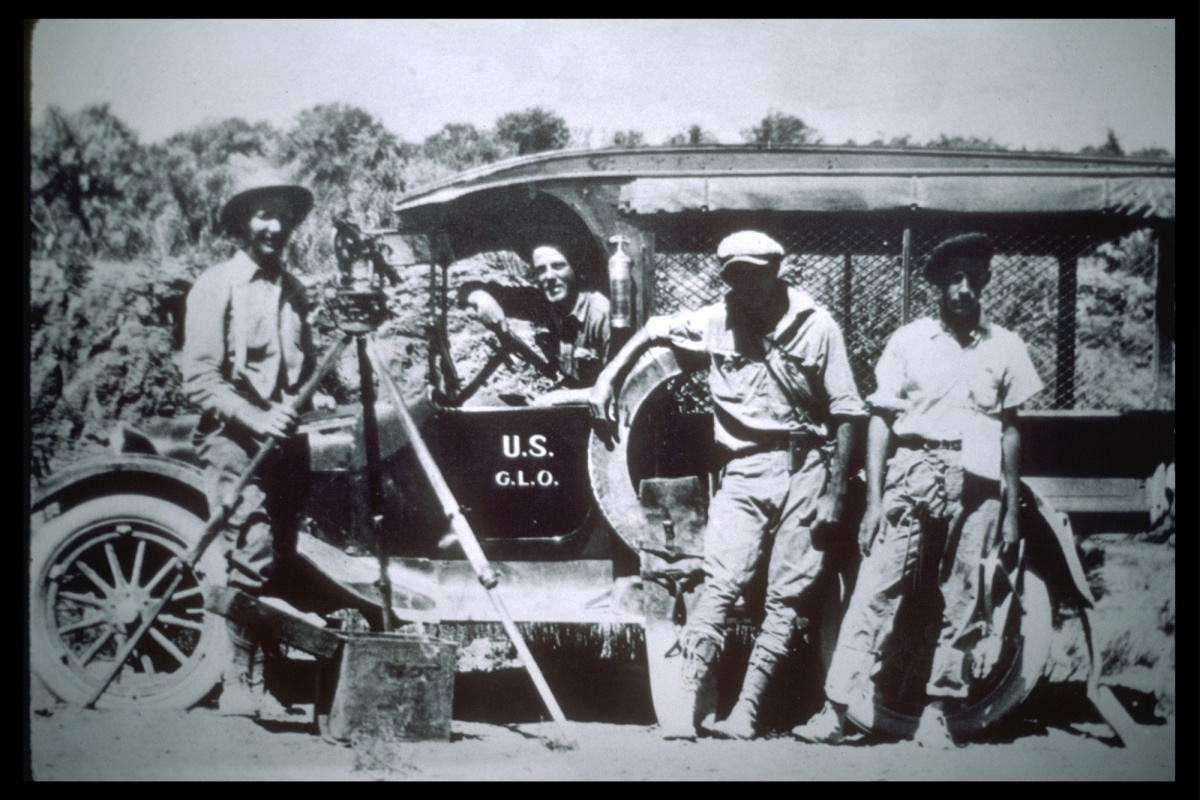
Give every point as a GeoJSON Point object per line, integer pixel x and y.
{"type": "Point", "coordinates": [620, 284]}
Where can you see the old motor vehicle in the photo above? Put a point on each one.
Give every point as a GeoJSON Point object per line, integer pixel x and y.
{"type": "Point", "coordinates": [606, 534]}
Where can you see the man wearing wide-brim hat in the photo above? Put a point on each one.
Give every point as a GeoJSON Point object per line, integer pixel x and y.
{"type": "Point", "coordinates": [247, 349]}
{"type": "Point", "coordinates": [785, 406]}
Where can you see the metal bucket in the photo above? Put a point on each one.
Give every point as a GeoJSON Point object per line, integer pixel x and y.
{"type": "Point", "coordinates": [390, 687]}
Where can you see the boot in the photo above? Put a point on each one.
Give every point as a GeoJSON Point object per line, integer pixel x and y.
{"type": "Point", "coordinates": [243, 693]}
{"type": "Point", "coordinates": [699, 685]}
{"type": "Point", "coordinates": [237, 689]}
{"type": "Point", "coordinates": [742, 722]}
{"type": "Point", "coordinates": [826, 727]}
{"type": "Point", "coordinates": [932, 731]}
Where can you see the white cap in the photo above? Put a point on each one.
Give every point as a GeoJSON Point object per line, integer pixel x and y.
{"type": "Point", "coordinates": [751, 247]}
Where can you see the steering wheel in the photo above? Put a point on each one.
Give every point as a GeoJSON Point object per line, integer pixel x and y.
{"type": "Point", "coordinates": [512, 344]}
{"type": "Point", "coordinates": [506, 346]}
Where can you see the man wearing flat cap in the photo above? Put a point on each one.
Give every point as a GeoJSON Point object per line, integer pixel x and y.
{"type": "Point", "coordinates": [785, 406]}
{"type": "Point", "coordinates": [247, 350]}
{"type": "Point", "coordinates": [945, 409]}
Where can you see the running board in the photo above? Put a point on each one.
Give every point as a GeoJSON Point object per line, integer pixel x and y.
{"type": "Point", "coordinates": [424, 590]}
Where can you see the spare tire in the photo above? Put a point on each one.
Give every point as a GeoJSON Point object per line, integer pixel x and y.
{"type": "Point", "coordinates": [614, 480]}
{"type": "Point", "coordinates": [1023, 662]}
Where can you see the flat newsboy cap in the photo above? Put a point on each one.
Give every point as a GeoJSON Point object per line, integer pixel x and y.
{"type": "Point", "coordinates": [252, 182]}
{"type": "Point", "coordinates": [968, 245]}
{"type": "Point", "coordinates": [751, 247]}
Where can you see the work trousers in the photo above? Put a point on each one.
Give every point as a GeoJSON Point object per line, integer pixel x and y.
{"type": "Point", "coordinates": [938, 524]}
{"type": "Point", "coordinates": [760, 519]}
{"type": "Point", "coordinates": [261, 531]}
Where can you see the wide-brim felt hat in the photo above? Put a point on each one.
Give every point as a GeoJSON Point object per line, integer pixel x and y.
{"type": "Point", "coordinates": [252, 185]}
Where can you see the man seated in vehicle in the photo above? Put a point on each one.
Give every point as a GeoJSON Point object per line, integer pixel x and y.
{"type": "Point", "coordinates": [573, 329]}
{"type": "Point", "coordinates": [247, 350]}
{"type": "Point", "coordinates": [784, 411]}
{"type": "Point", "coordinates": [945, 410]}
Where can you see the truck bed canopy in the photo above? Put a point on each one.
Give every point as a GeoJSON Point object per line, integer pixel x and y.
{"type": "Point", "coordinates": [857, 224]}
{"type": "Point", "coordinates": [1131, 195]}
{"type": "Point", "coordinates": [823, 179]}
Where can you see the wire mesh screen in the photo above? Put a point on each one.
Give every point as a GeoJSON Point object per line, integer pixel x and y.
{"type": "Point", "coordinates": [1083, 304]}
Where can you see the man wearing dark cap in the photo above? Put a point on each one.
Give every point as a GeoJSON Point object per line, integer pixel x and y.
{"type": "Point", "coordinates": [948, 392]}
{"type": "Point", "coordinates": [784, 410]}
{"type": "Point", "coordinates": [247, 350]}
{"type": "Point", "coordinates": [573, 324]}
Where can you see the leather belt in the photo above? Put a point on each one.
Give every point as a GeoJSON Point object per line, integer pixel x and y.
{"type": "Point", "coordinates": [783, 443]}
{"type": "Point", "coordinates": [763, 447]}
{"type": "Point", "coordinates": [919, 443]}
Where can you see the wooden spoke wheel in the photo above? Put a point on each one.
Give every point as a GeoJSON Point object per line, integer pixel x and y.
{"type": "Point", "coordinates": [95, 571]}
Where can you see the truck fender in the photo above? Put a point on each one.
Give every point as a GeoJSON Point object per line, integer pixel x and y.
{"type": "Point", "coordinates": [124, 473]}
{"type": "Point", "coordinates": [1055, 543]}
{"type": "Point", "coordinates": [169, 437]}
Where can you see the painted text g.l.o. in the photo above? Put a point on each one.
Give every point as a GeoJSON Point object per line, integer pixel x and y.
{"type": "Point", "coordinates": [519, 478]}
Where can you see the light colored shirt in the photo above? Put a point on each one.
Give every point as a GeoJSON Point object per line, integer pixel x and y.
{"type": "Point", "coordinates": [750, 407]}
{"type": "Point", "coordinates": [246, 338]}
{"type": "Point", "coordinates": [939, 389]}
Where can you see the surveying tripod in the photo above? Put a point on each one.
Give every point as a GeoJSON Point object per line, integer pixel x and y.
{"type": "Point", "coordinates": [361, 309]}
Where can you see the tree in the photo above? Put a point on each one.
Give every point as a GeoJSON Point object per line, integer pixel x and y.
{"type": "Point", "coordinates": [333, 145]}
{"type": "Point", "coordinates": [194, 166]}
{"type": "Point", "coordinates": [88, 185]}
{"type": "Point", "coordinates": [354, 167]}
{"type": "Point", "coordinates": [1111, 146]}
{"type": "Point", "coordinates": [693, 135]}
{"type": "Point", "coordinates": [214, 142]}
{"type": "Point", "coordinates": [944, 142]}
{"type": "Point", "coordinates": [460, 145]}
{"type": "Point", "coordinates": [781, 130]}
{"type": "Point", "coordinates": [1155, 153]}
{"type": "Point", "coordinates": [901, 142]}
{"type": "Point", "coordinates": [533, 130]}
{"type": "Point", "coordinates": [629, 138]}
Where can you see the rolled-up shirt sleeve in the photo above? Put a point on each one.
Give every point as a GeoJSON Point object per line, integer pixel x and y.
{"type": "Point", "coordinates": [889, 379]}
{"type": "Point", "coordinates": [844, 400]}
{"type": "Point", "coordinates": [687, 330]}
{"type": "Point", "coordinates": [1023, 381]}
{"type": "Point", "coordinates": [204, 383]}
{"type": "Point", "coordinates": [659, 328]}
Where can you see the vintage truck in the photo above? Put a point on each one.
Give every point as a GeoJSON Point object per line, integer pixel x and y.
{"type": "Point", "coordinates": [606, 535]}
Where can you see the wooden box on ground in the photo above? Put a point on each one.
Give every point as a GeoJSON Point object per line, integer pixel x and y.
{"type": "Point", "coordinates": [387, 686]}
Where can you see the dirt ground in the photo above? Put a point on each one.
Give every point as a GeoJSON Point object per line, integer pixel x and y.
{"type": "Point", "coordinates": [1056, 735]}
{"type": "Point", "coordinates": [73, 744]}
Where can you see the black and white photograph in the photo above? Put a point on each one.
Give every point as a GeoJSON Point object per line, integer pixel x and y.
{"type": "Point", "coordinates": [600, 400]}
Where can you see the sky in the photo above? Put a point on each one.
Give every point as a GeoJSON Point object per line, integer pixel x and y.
{"type": "Point", "coordinates": [1038, 84]}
